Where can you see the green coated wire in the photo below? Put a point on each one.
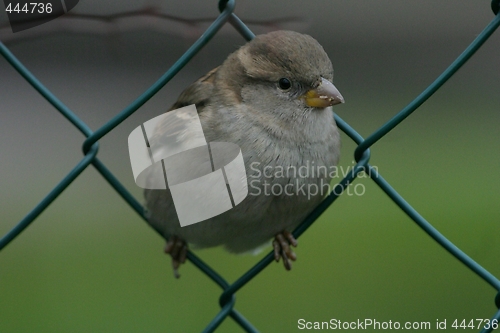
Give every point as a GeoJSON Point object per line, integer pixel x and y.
{"type": "Point", "coordinates": [490, 329]}
{"type": "Point", "coordinates": [51, 98]}
{"type": "Point", "coordinates": [431, 231]}
{"type": "Point", "coordinates": [219, 318]}
{"type": "Point", "coordinates": [164, 79]}
{"type": "Point", "coordinates": [49, 198]}
{"type": "Point", "coordinates": [459, 62]}
{"type": "Point", "coordinates": [495, 5]}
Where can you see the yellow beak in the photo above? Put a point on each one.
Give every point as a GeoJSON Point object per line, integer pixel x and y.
{"type": "Point", "coordinates": [325, 95]}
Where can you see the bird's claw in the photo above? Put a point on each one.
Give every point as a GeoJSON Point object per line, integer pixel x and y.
{"type": "Point", "coordinates": [282, 248]}
{"type": "Point", "coordinates": [177, 248]}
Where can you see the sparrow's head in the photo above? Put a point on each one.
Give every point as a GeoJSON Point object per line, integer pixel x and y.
{"type": "Point", "coordinates": [283, 69]}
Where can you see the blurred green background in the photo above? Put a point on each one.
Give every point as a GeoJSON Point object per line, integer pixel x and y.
{"type": "Point", "coordinates": [90, 264]}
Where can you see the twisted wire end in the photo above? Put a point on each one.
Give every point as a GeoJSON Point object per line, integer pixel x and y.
{"type": "Point", "coordinates": [495, 5]}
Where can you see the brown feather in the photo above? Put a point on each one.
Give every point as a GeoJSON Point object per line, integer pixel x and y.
{"type": "Point", "coordinates": [197, 93]}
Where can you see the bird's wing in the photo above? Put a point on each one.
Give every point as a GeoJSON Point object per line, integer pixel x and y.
{"type": "Point", "coordinates": [157, 201]}
{"type": "Point", "coordinates": [197, 93]}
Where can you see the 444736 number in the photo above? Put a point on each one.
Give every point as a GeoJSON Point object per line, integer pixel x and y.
{"type": "Point", "coordinates": [32, 7]}
{"type": "Point", "coordinates": [475, 324]}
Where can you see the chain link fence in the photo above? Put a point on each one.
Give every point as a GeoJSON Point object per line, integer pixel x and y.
{"type": "Point", "coordinates": [361, 153]}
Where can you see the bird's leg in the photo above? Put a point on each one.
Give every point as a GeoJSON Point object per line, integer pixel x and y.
{"type": "Point", "coordinates": [177, 248]}
{"type": "Point", "coordinates": [281, 245]}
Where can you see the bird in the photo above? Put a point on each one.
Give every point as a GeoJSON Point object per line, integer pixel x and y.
{"type": "Point", "coordinates": [272, 97]}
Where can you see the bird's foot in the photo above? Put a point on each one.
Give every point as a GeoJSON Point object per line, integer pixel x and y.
{"type": "Point", "coordinates": [281, 245]}
{"type": "Point", "coordinates": [177, 248]}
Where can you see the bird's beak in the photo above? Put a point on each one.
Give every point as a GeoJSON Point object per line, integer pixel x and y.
{"type": "Point", "coordinates": [325, 95]}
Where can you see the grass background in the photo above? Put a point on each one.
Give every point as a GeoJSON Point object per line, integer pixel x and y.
{"type": "Point", "coordinates": [89, 263]}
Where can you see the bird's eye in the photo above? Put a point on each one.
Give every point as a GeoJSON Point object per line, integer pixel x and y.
{"type": "Point", "coordinates": [284, 83]}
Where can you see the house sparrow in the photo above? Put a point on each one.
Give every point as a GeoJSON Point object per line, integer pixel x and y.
{"type": "Point", "coordinates": [272, 97]}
